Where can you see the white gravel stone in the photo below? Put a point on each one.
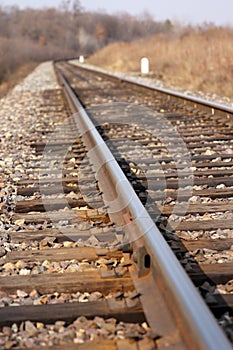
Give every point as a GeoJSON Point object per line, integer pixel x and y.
{"type": "Point", "coordinates": [42, 78]}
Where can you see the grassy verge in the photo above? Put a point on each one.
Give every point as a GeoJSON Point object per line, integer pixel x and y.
{"type": "Point", "coordinates": [14, 78]}
{"type": "Point", "coordinates": [196, 60]}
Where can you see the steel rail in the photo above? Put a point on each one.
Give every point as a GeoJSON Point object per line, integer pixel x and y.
{"type": "Point", "coordinates": [200, 325]}
{"type": "Point", "coordinates": [213, 106]}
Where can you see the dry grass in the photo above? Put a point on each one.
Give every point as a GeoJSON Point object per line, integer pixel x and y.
{"type": "Point", "coordinates": [18, 56]}
{"type": "Point", "coordinates": [16, 77]}
{"type": "Point", "coordinates": [197, 60]}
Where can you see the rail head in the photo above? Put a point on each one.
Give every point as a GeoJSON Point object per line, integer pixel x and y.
{"type": "Point", "coordinates": [196, 318]}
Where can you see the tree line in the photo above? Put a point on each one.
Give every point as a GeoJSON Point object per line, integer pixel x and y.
{"type": "Point", "coordinates": [67, 31]}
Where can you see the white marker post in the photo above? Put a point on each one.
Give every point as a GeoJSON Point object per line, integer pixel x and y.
{"type": "Point", "coordinates": [144, 65]}
{"type": "Point", "coordinates": [81, 59]}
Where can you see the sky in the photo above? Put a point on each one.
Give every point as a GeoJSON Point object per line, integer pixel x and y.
{"type": "Point", "coordinates": [219, 12]}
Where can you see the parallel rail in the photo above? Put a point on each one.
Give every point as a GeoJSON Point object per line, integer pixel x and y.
{"type": "Point", "coordinates": [154, 258]}
{"type": "Point", "coordinates": [212, 107]}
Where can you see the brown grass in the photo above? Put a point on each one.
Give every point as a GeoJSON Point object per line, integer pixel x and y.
{"type": "Point", "coordinates": [18, 56]}
{"type": "Point", "coordinates": [197, 60]}
{"type": "Point", "coordinates": [16, 77]}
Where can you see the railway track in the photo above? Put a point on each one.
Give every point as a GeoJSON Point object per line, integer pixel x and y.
{"type": "Point", "coordinates": [83, 266]}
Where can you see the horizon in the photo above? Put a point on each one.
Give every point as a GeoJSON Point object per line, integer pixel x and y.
{"type": "Point", "coordinates": [218, 13]}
